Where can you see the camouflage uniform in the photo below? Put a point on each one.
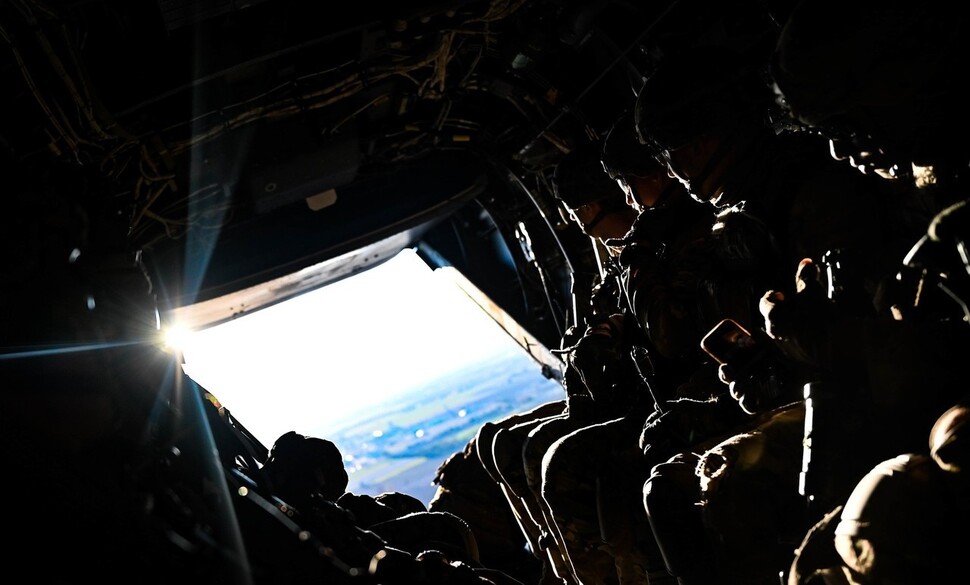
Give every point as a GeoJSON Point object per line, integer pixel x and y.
{"type": "Point", "coordinates": [780, 197]}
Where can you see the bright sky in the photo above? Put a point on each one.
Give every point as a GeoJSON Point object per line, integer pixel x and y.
{"type": "Point", "coordinates": [301, 364]}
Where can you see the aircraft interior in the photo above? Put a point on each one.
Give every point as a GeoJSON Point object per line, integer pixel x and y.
{"type": "Point", "coordinates": [243, 153]}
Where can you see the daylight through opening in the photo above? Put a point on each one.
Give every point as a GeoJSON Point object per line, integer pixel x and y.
{"type": "Point", "coordinates": [396, 365]}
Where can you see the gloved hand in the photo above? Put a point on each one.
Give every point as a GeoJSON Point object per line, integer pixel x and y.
{"type": "Point", "coordinates": [661, 437]}
{"type": "Point", "coordinates": [604, 295]}
{"type": "Point", "coordinates": [654, 226]}
{"type": "Point", "coordinates": [682, 423]}
{"type": "Point", "coordinates": [639, 255]}
{"type": "Point", "coordinates": [800, 327]}
{"type": "Point", "coordinates": [785, 316]}
{"type": "Point", "coordinates": [642, 270]}
{"type": "Point", "coordinates": [595, 358]}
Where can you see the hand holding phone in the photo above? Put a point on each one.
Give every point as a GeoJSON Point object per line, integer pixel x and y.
{"type": "Point", "coordinates": [745, 365]}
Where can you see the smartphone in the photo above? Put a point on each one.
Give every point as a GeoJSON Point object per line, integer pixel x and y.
{"type": "Point", "coordinates": [729, 342]}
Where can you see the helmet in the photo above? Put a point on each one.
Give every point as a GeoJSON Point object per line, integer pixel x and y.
{"type": "Point", "coordinates": [695, 92]}
{"type": "Point", "coordinates": [946, 448]}
{"type": "Point", "coordinates": [901, 525]}
{"type": "Point", "coordinates": [879, 77]}
{"type": "Point", "coordinates": [579, 182]}
{"type": "Point", "coordinates": [624, 155]}
{"type": "Point", "coordinates": [300, 466]}
{"type": "Point", "coordinates": [579, 179]}
{"type": "Point", "coordinates": [401, 503]}
{"type": "Point", "coordinates": [937, 267]}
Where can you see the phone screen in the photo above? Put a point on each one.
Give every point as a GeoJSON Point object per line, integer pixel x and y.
{"type": "Point", "coordinates": [727, 341]}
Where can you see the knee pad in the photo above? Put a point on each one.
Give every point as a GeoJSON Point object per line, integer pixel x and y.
{"type": "Point", "coordinates": [507, 451]}
{"type": "Point", "coordinates": [568, 485]}
{"type": "Point", "coordinates": [538, 442]}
